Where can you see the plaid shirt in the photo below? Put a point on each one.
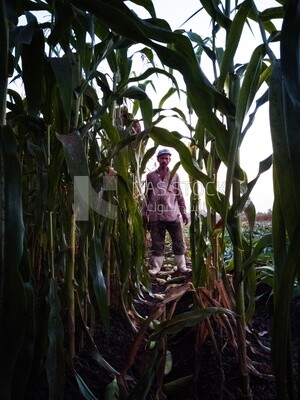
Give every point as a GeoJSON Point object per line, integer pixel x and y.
{"type": "Point", "coordinates": [164, 200]}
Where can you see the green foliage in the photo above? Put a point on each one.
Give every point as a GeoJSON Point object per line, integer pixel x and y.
{"type": "Point", "coordinates": [74, 120]}
{"type": "Point", "coordinates": [284, 126]}
{"type": "Point", "coordinates": [13, 296]}
{"type": "Point", "coordinates": [55, 356]}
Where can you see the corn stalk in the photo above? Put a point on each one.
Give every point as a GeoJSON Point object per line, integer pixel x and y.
{"type": "Point", "coordinates": [15, 331]}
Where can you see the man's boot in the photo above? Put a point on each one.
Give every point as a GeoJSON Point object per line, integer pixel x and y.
{"type": "Point", "coordinates": [156, 264]}
{"type": "Point", "coordinates": [180, 262]}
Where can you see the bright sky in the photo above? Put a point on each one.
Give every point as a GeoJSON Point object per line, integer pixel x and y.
{"type": "Point", "coordinates": [257, 144]}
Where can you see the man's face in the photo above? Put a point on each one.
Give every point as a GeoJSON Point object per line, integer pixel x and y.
{"type": "Point", "coordinates": [164, 160]}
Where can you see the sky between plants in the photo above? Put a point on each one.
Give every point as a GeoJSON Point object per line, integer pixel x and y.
{"type": "Point", "coordinates": [257, 143]}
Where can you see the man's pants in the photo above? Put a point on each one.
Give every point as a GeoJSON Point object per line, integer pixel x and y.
{"type": "Point", "coordinates": [158, 235]}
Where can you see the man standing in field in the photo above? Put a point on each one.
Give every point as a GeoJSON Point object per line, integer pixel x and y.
{"type": "Point", "coordinates": [164, 209]}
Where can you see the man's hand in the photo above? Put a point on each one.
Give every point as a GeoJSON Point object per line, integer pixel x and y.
{"type": "Point", "coordinates": [185, 219]}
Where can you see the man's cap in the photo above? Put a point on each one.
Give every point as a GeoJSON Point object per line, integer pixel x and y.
{"type": "Point", "coordinates": [163, 151]}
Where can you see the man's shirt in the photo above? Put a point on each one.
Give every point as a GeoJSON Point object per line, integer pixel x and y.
{"type": "Point", "coordinates": [164, 200]}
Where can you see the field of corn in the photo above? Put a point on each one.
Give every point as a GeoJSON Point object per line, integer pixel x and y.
{"type": "Point", "coordinates": [210, 349]}
{"type": "Point", "coordinates": [78, 126]}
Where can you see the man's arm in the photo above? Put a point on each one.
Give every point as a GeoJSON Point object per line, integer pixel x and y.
{"type": "Point", "coordinates": [181, 202]}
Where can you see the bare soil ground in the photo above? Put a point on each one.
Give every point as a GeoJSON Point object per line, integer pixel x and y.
{"type": "Point", "coordinates": [216, 378]}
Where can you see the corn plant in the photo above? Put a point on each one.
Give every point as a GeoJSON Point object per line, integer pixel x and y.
{"type": "Point", "coordinates": [16, 290]}
{"type": "Point", "coordinates": [241, 85]}
{"type": "Point", "coordinates": [284, 114]}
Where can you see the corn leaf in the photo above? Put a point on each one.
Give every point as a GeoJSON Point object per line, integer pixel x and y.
{"type": "Point", "coordinates": [233, 39]}
{"type": "Point", "coordinates": [4, 47]}
{"type": "Point", "coordinates": [147, 112]}
{"type": "Point", "coordinates": [285, 122]}
{"type": "Point", "coordinates": [32, 63]}
{"type": "Point", "coordinates": [55, 364]}
{"type": "Point", "coordinates": [98, 281]}
{"type": "Point", "coordinates": [216, 14]}
{"type": "Point", "coordinates": [177, 385]}
{"type": "Point", "coordinates": [112, 390]}
{"type": "Point", "coordinates": [187, 319]}
{"type": "Point", "coordinates": [148, 5]}
{"type": "Point", "coordinates": [271, 13]}
{"type": "Point", "coordinates": [181, 57]}
{"type": "Point", "coordinates": [23, 364]}
{"type": "Point", "coordinates": [248, 90]}
{"type": "Point", "coordinates": [74, 154]}
{"type": "Point", "coordinates": [264, 166]}
{"type": "Point", "coordinates": [151, 71]}
{"type": "Point", "coordinates": [280, 346]}
{"type": "Point", "coordinates": [170, 139]}
{"type": "Point", "coordinates": [62, 69]}
{"type": "Point", "coordinates": [265, 241]}
{"type": "Point", "coordinates": [83, 388]}
{"type": "Point", "coordinates": [134, 92]}
{"type": "Point", "coordinates": [12, 293]}
{"type": "Point", "coordinates": [290, 50]}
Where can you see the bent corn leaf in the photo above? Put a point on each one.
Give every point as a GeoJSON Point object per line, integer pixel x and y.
{"type": "Point", "coordinates": [187, 319]}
